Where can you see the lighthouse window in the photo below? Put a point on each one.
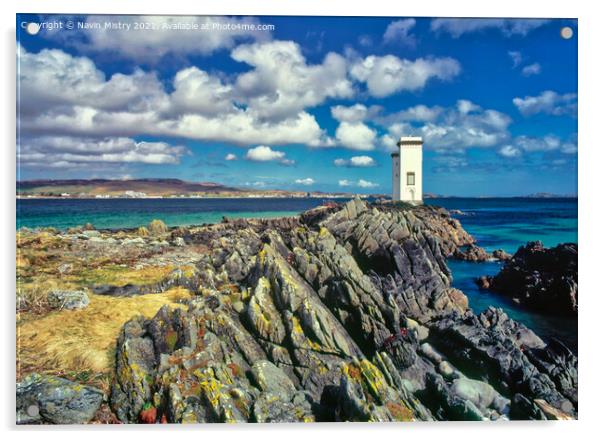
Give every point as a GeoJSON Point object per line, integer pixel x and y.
{"type": "Point", "coordinates": [411, 179]}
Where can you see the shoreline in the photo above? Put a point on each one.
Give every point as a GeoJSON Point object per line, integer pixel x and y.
{"type": "Point", "coordinates": [170, 227]}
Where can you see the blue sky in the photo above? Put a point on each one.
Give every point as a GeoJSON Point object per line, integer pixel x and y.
{"type": "Point", "coordinates": [304, 103]}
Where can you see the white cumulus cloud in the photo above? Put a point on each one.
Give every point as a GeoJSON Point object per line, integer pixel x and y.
{"type": "Point", "coordinates": [366, 184]}
{"type": "Point", "coordinates": [46, 150]}
{"type": "Point", "coordinates": [548, 102]}
{"type": "Point", "coordinates": [386, 75]}
{"type": "Point", "coordinates": [544, 144]}
{"type": "Point", "coordinates": [510, 151]}
{"type": "Point", "coordinates": [417, 113]}
{"type": "Point", "coordinates": [457, 27]}
{"type": "Point", "coordinates": [61, 94]}
{"type": "Point", "coordinates": [467, 125]}
{"type": "Point", "coordinates": [362, 161]}
{"type": "Point", "coordinates": [352, 114]}
{"type": "Point", "coordinates": [400, 32]}
{"type": "Point", "coordinates": [196, 91]}
{"type": "Point", "coordinates": [282, 83]}
{"type": "Point", "coordinates": [358, 136]}
{"type": "Point", "coordinates": [264, 153]}
{"type": "Point", "coordinates": [305, 181]}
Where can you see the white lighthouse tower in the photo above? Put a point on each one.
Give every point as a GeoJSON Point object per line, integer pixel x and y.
{"type": "Point", "coordinates": [407, 170]}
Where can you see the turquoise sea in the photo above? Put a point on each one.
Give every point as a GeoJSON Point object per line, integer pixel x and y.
{"type": "Point", "coordinates": [504, 223]}
{"type": "Point", "coordinates": [125, 213]}
{"type": "Point", "coordinates": [507, 224]}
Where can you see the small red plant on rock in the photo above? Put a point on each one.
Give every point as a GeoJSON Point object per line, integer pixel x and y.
{"type": "Point", "coordinates": [148, 415]}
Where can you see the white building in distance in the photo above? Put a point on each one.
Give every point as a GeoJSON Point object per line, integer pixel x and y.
{"type": "Point", "coordinates": [407, 170]}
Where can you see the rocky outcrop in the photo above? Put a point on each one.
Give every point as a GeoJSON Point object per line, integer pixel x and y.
{"type": "Point", "coordinates": [54, 400]}
{"type": "Point", "coordinates": [501, 255]}
{"type": "Point", "coordinates": [539, 278]}
{"type": "Point", "coordinates": [493, 348]}
{"type": "Point", "coordinates": [343, 313]}
{"type": "Point", "coordinates": [472, 253]}
{"type": "Point", "coordinates": [68, 299]}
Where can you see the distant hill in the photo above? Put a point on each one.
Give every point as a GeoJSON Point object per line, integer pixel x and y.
{"type": "Point", "coordinates": [429, 195]}
{"type": "Point", "coordinates": [93, 187]}
{"type": "Point", "coordinates": [535, 195]}
{"type": "Point", "coordinates": [548, 195]}
{"type": "Point", "coordinates": [147, 187]}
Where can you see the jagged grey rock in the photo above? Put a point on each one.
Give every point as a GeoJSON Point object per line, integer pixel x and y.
{"type": "Point", "coordinates": [342, 313]}
{"type": "Point", "coordinates": [54, 400]}
{"type": "Point", "coordinates": [544, 279]}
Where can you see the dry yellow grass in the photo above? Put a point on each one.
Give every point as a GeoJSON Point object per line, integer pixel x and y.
{"type": "Point", "coordinates": [120, 275]}
{"type": "Point", "coordinates": [83, 340]}
{"type": "Point", "coordinates": [33, 296]}
{"type": "Point", "coordinates": [34, 290]}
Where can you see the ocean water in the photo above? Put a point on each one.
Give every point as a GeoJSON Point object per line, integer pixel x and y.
{"type": "Point", "coordinates": [508, 224]}
{"type": "Point", "coordinates": [126, 213]}
{"type": "Point", "coordinates": [495, 223]}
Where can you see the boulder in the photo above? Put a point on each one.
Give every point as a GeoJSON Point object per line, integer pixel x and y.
{"type": "Point", "coordinates": [552, 413]}
{"type": "Point", "coordinates": [65, 268]}
{"type": "Point", "coordinates": [54, 400]}
{"type": "Point", "coordinates": [472, 253]}
{"type": "Point", "coordinates": [446, 369]}
{"type": "Point", "coordinates": [501, 255]}
{"type": "Point", "coordinates": [133, 241]}
{"type": "Point", "coordinates": [91, 233]}
{"type": "Point", "coordinates": [68, 299]}
{"type": "Point", "coordinates": [483, 282]}
{"type": "Point", "coordinates": [422, 332]}
{"type": "Point", "coordinates": [481, 394]}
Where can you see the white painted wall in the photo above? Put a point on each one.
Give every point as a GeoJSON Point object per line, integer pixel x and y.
{"type": "Point", "coordinates": [408, 161]}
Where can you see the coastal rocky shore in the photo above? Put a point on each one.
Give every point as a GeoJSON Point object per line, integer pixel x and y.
{"type": "Point", "coordinates": [543, 279]}
{"type": "Point", "coordinates": [343, 313]}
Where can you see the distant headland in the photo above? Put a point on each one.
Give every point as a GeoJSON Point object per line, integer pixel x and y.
{"type": "Point", "coordinates": [152, 188]}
